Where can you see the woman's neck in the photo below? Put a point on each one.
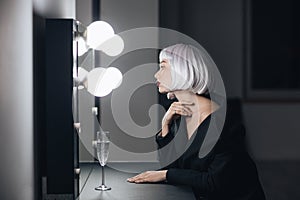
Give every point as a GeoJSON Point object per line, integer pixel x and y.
{"type": "Point", "coordinates": [202, 107]}
{"type": "Point", "coordinates": [201, 104]}
{"type": "Point", "coordinates": [185, 96]}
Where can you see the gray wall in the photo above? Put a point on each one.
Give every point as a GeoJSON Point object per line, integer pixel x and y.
{"type": "Point", "coordinates": [126, 15]}
{"type": "Point", "coordinates": [122, 16]}
{"type": "Point", "coordinates": [129, 14]}
{"type": "Point", "coordinates": [272, 128]}
{"type": "Point", "coordinates": [16, 91]}
{"type": "Point", "coordinates": [16, 100]}
{"type": "Point", "coordinates": [217, 26]}
{"type": "Point", "coordinates": [55, 8]}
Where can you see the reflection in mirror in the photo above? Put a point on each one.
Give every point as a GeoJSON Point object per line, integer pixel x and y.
{"type": "Point", "coordinates": [113, 46]}
{"type": "Point", "coordinates": [100, 81]}
{"type": "Point", "coordinates": [91, 82]}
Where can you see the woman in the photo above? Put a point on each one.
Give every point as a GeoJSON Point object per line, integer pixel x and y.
{"type": "Point", "coordinates": [195, 147]}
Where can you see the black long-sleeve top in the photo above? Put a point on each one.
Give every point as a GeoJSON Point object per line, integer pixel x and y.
{"type": "Point", "coordinates": [225, 172]}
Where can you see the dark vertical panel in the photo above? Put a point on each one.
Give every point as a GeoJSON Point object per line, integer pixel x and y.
{"type": "Point", "coordinates": [95, 17]}
{"type": "Point", "coordinates": [39, 102]}
{"type": "Point", "coordinates": [96, 10]}
{"type": "Point", "coordinates": [295, 51]}
{"type": "Point", "coordinates": [170, 14]}
{"type": "Point", "coordinates": [58, 98]}
{"type": "Point", "coordinates": [275, 44]}
{"type": "Point", "coordinates": [245, 55]}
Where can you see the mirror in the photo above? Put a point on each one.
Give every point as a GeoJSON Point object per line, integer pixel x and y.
{"type": "Point", "coordinates": [90, 82]}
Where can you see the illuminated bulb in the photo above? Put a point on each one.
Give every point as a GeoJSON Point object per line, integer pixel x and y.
{"type": "Point", "coordinates": [98, 32]}
{"type": "Point", "coordinates": [82, 76]}
{"type": "Point", "coordinates": [82, 73]}
{"type": "Point", "coordinates": [115, 77]}
{"type": "Point", "coordinates": [82, 47]}
{"type": "Point", "coordinates": [102, 81]}
{"type": "Point", "coordinates": [113, 46]}
{"type": "Point", "coordinates": [93, 78]}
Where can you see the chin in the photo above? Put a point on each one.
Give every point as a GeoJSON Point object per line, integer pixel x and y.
{"type": "Point", "coordinates": [162, 90]}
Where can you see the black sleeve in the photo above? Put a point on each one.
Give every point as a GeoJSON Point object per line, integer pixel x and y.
{"type": "Point", "coordinates": [166, 150]}
{"type": "Point", "coordinates": [163, 141]}
{"type": "Point", "coordinates": [219, 171]}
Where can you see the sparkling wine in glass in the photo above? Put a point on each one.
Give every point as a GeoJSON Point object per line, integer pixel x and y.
{"type": "Point", "coordinates": [102, 146]}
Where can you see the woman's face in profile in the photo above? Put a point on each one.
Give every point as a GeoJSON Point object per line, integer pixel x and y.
{"type": "Point", "coordinates": [163, 76]}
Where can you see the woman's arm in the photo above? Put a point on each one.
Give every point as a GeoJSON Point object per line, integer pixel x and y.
{"type": "Point", "coordinates": [225, 166]}
{"type": "Point", "coordinates": [166, 149]}
{"type": "Point", "coordinates": [205, 181]}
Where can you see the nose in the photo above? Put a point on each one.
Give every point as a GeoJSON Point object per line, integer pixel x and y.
{"type": "Point", "coordinates": [156, 75]}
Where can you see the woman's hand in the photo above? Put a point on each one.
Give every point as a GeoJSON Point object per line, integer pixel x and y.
{"type": "Point", "coordinates": [176, 108]}
{"type": "Point", "coordinates": [149, 177]}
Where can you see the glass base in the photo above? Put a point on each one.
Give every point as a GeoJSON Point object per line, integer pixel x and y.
{"type": "Point", "coordinates": [103, 188]}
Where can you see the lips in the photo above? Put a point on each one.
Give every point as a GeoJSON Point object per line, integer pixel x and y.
{"type": "Point", "coordinates": [157, 83]}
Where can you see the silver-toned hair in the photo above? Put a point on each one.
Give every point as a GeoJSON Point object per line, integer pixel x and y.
{"type": "Point", "coordinates": [190, 68]}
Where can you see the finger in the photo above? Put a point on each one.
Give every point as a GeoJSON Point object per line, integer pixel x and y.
{"type": "Point", "coordinates": [131, 180]}
{"type": "Point", "coordinates": [187, 109]}
{"type": "Point", "coordinates": [141, 175]}
{"type": "Point", "coordinates": [183, 103]}
{"type": "Point", "coordinates": [134, 178]}
{"type": "Point", "coordinates": [171, 95]}
{"type": "Point", "coordinates": [140, 180]}
{"type": "Point", "coordinates": [182, 110]}
{"type": "Point", "coordinates": [180, 105]}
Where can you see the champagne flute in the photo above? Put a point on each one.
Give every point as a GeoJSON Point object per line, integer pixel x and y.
{"type": "Point", "coordinates": [102, 145]}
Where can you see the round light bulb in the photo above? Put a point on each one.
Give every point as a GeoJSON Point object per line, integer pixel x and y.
{"type": "Point", "coordinates": [101, 81]}
{"type": "Point", "coordinates": [115, 77]}
{"type": "Point", "coordinates": [98, 32]}
{"type": "Point", "coordinates": [82, 76]}
{"type": "Point", "coordinates": [92, 79]}
{"type": "Point", "coordinates": [104, 86]}
{"type": "Point", "coordinates": [82, 47]}
{"type": "Point", "coordinates": [113, 46]}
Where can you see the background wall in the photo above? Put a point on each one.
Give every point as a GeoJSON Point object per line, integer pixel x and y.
{"type": "Point", "coordinates": [125, 16]}
{"type": "Point", "coordinates": [218, 26]}
{"type": "Point", "coordinates": [16, 92]}
{"type": "Point", "coordinates": [55, 8]}
{"type": "Point", "coordinates": [272, 127]}
{"type": "Point", "coordinates": [122, 16]}
{"type": "Point", "coordinates": [16, 99]}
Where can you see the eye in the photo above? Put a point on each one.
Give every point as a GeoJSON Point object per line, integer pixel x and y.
{"type": "Point", "coordinates": [162, 64]}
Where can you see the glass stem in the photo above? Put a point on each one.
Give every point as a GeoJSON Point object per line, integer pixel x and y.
{"type": "Point", "coordinates": [103, 182]}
